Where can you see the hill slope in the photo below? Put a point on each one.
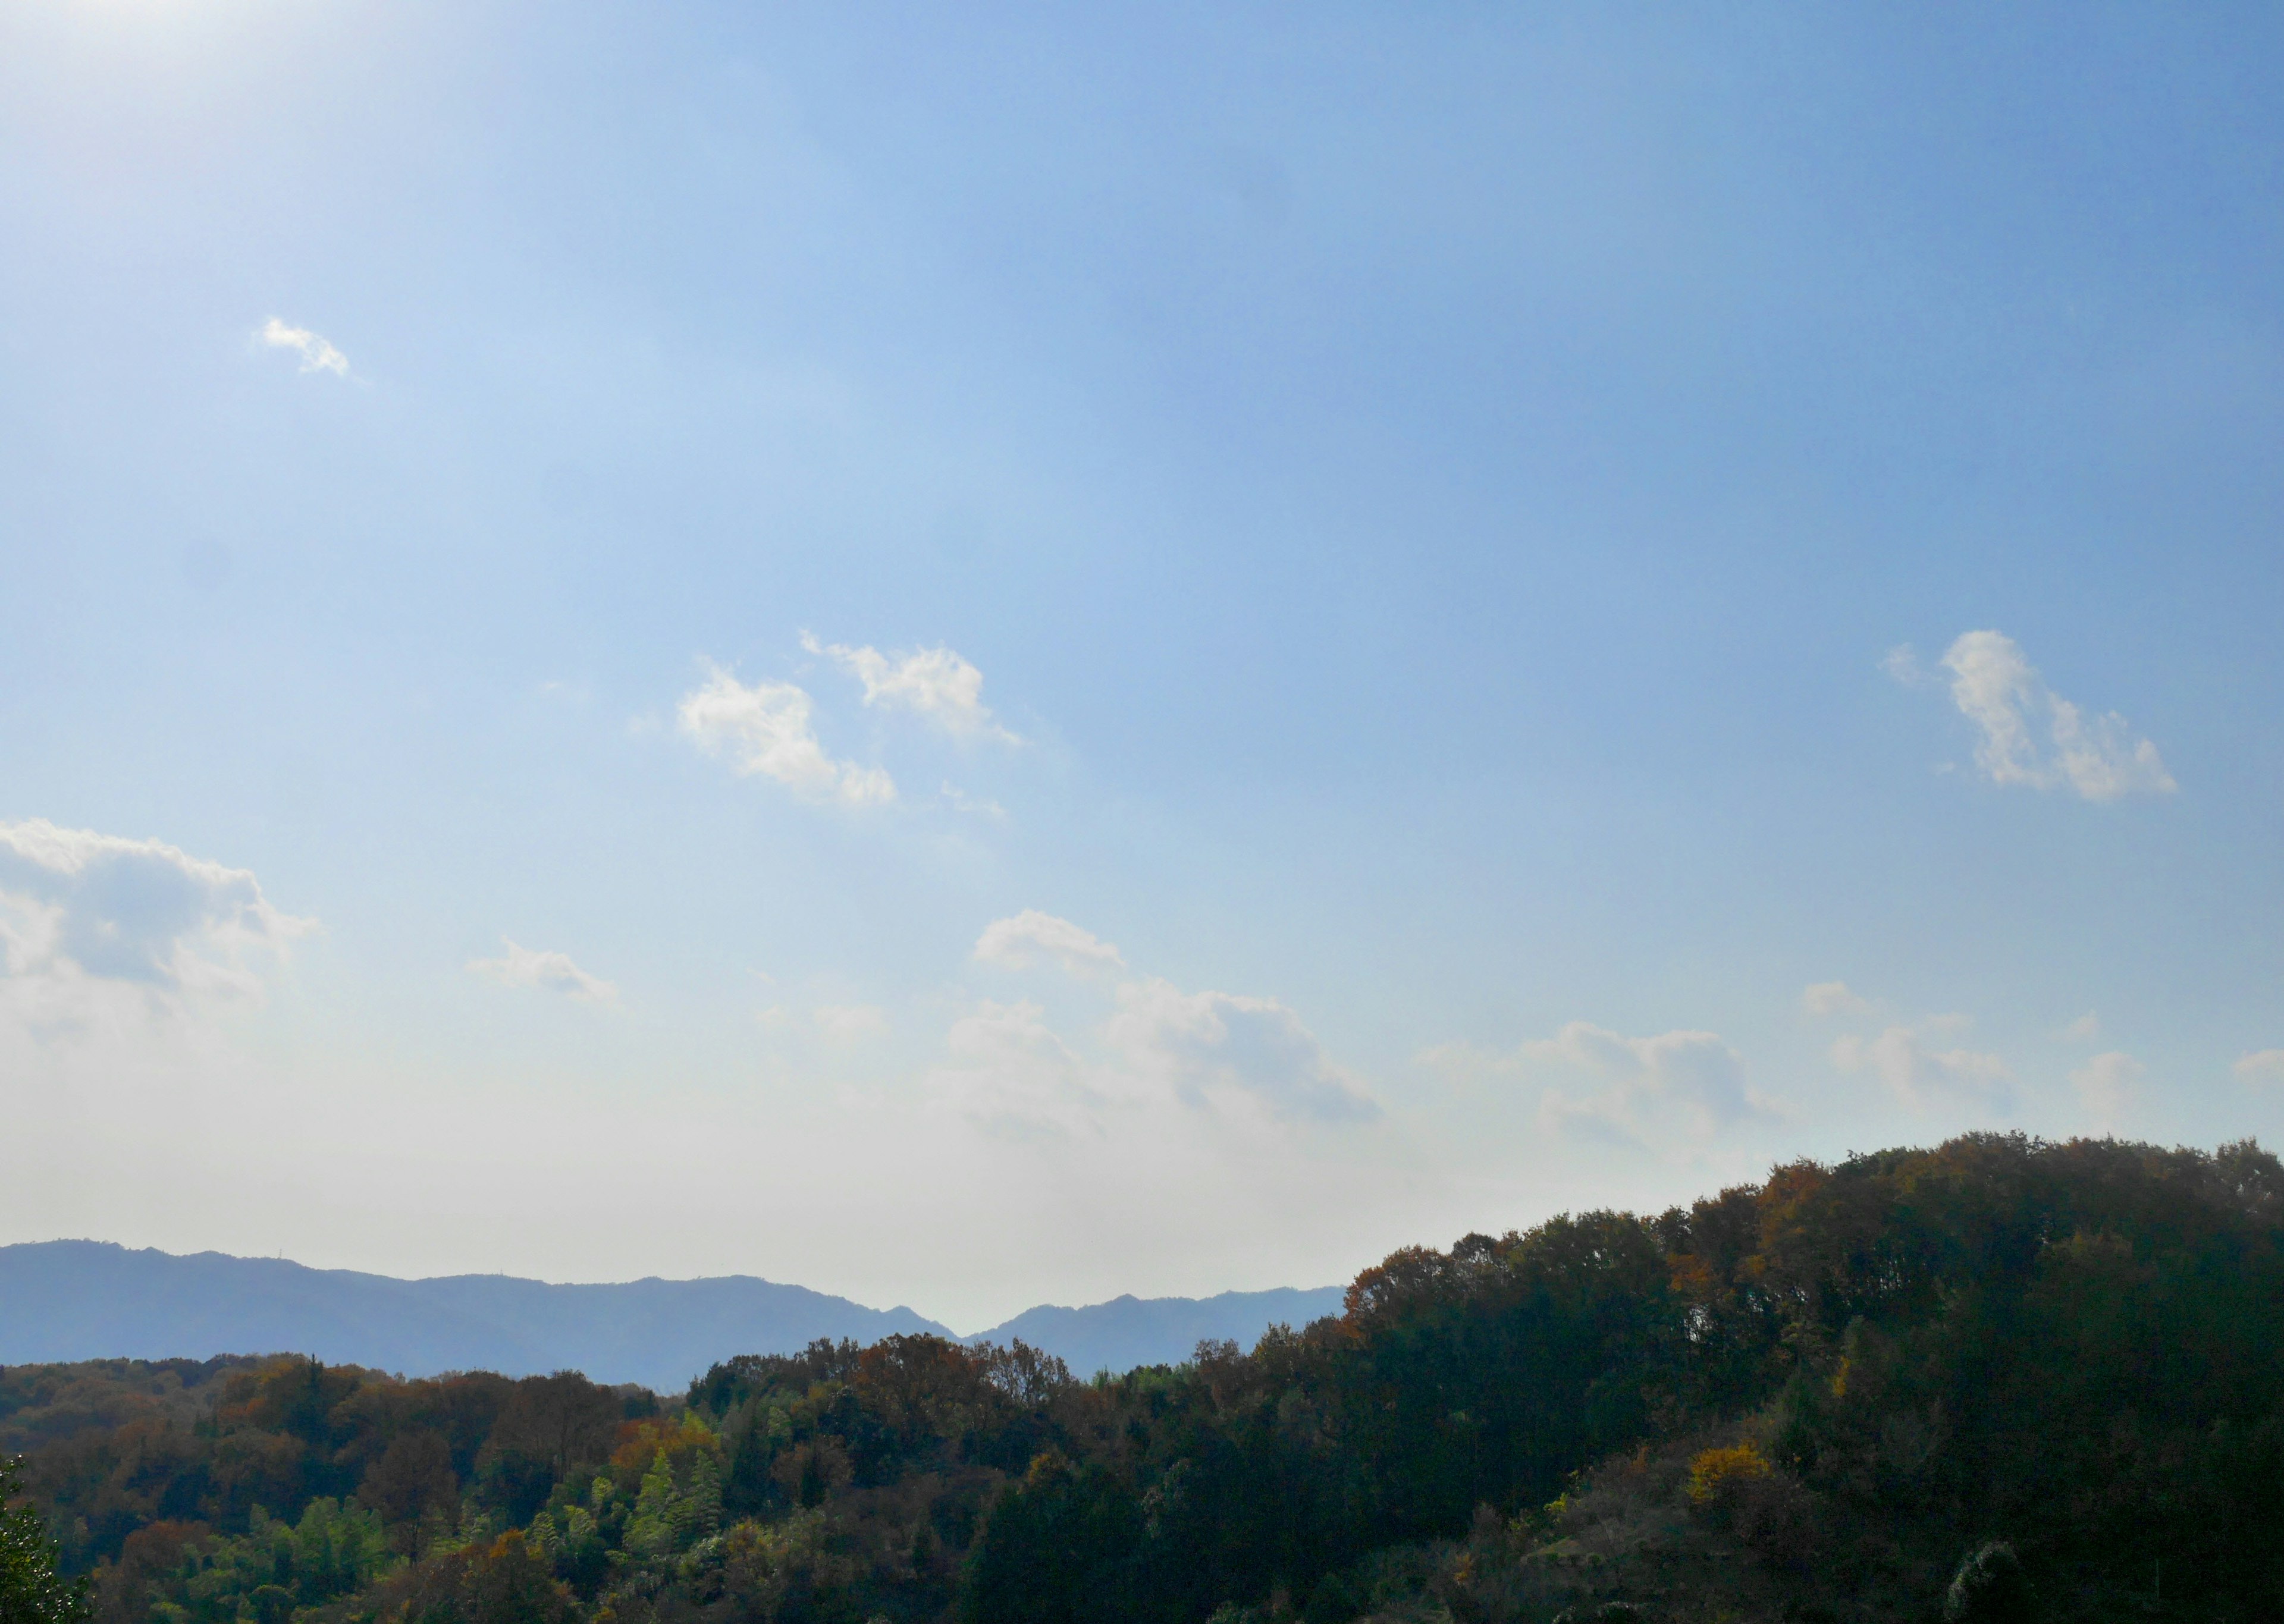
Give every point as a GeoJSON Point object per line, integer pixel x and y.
{"type": "Point", "coordinates": [2052, 1374]}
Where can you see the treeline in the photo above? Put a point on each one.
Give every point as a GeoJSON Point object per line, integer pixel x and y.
{"type": "Point", "coordinates": [1807, 1398]}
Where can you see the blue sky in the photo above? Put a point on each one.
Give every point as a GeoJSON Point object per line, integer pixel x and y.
{"type": "Point", "coordinates": [983, 655]}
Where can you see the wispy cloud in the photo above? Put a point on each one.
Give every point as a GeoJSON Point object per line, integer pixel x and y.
{"type": "Point", "coordinates": [974, 806]}
{"type": "Point", "coordinates": [548, 972]}
{"type": "Point", "coordinates": [1223, 1053]}
{"type": "Point", "coordinates": [2033, 737]}
{"type": "Point", "coordinates": [936, 683]}
{"type": "Point", "coordinates": [2085, 1030]}
{"type": "Point", "coordinates": [1202, 1044]}
{"type": "Point", "coordinates": [1017, 941]}
{"type": "Point", "coordinates": [764, 730]}
{"type": "Point", "coordinates": [1694, 1071]}
{"type": "Point", "coordinates": [317, 354]}
{"type": "Point", "coordinates": [1833, 998]}
{"type": "Point", "coordinates": [1900, 1057]}
{"type": "Point", "coordinates": [1010, 1072]}
{"type": "Point", "coordinates": [1597, 1084]}
{"type": "Point", "coordinates": [2107, 1084]}
{"type": "Point", "coordinates": [2263, 1067]}
{"type": "Point", "coordinates": [849, 1023]}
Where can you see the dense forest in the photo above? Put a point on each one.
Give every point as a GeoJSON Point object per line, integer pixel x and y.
{"type": "Point", "coordinates": [1999, 1379]}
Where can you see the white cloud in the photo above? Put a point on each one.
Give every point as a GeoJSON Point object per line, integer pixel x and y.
{"type": "Point", "coordinates": [79, 906]}
{"type": "Point", "coordinates": [2264, 1067]}
{"type": "Point", "coordinates": [1902, 662]}
{"type": "Point", "coordinates": [1635, 1076]}
{"type": "Point", "coordinates": [317, 355]}
{"type": "Point", "coordinates": [2085, 1030]}
{"type": "Point", "coordinates": [2031, 735]}
{"type": "Point", "coordinates": [1209, 1045]}
{"type": "Point", "coordinates": [550, 972]}
{"type": "Point", "coordinates": [849, 1023]}
{"type": "Point", "coordinates": [765, 729]}
{"type": "Point", "coordinates": [976, 806]}
{"type": "Point", "coordinates": [1912, 1072]}
{"type": "Point", "coordinates": [2106, 1083]}
{"type": "Point", "coordinates": [1833, 998]}
{"type": "Point", "coordinates": [1159, 1048]}
{"type": "Point", "coordinates": [934, 682]}
{"type": "Point", "coordinates": [1010, 1072]}
{"type": "Point", "coordinates": [1016, 941]}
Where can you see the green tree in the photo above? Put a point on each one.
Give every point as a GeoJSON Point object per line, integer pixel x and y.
{"type": "Point", "coordinates": [31, 1590]}
{"type": "Point", "coordinates": [1989, 1589]}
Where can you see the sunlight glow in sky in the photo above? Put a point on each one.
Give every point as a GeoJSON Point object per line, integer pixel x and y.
{"type": "Point", "coordinates": [972, 655]}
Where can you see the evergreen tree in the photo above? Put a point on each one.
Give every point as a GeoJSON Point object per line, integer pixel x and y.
{"type": "Point", "coordinates": [31, 1591]}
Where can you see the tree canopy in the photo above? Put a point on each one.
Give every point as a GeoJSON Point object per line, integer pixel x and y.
{"type": "Point", "coordinates": [2003, 1377]}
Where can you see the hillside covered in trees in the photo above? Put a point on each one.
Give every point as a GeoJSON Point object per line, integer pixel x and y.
{"type": "Point", "coordinates": [1809, 1399]}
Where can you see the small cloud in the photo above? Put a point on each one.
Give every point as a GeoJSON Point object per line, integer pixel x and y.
{"type": "Point", "coordinates": [764, 730]}
{"type": "Point", "coordinates": [849, 1023]}
{"type": "Point", "coordinates": [1015, 942]}
{"type": "Point", "coordinates": [2106, 1083]}
{"type": "Point", "coordinates": [86, 906]}
{"type": "Point", "coordinates": [1833, 998]}
{"type": "Point", "coordinates": [960, 801]}
{"type": "Point", "coordinates": [2031, 735]}
{"type": "Point", "coordinates": [1902, 662]}
{"type": "Point", "coordinates": [550, 972]}
{"type": "Point", "coordinates": [1915, 1073]}
{"type": "Point", "coordinates": [317, 355]}
{"type": "Point", "coordinates": [2261, 1069]}
{"type": "Point", "coordinates": [2085, 1030]}
{"type": "Point", "coordinates": [1634, 1076]}
{"type": "Point", "coordinates": [773, 1018]}
{"type": "Point", "coordinates": [936, 683]}
{"type": "Point", "coordinates": [1012, 1073]}
{"type": "Point", "coordinates": [1200, 1044]}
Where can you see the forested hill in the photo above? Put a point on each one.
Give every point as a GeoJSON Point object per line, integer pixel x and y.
{"type": "Point", "coordinates": [88, 1299]}
{"type": "Point", "coordinates": [2045, 1380]}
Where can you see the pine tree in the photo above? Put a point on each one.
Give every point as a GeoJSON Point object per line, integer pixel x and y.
{"type": "Point", "coordinates": [702, 1503]}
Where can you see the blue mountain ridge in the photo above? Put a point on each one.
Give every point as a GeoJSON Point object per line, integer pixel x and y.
{"type": "Point", "coordinates": [1126, 1332]}
{"type": "Point", "coordinates": [71, 1300]}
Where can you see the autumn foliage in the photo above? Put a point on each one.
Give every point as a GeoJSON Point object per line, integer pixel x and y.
{"type": "Point", "coordinates": [1829, 1390]}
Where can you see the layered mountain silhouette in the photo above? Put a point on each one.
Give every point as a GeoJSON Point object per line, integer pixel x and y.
{"type": "Point", "coordinates": [1129, 1331]}
{"type": "Point", "coordinates": [70, 1299]}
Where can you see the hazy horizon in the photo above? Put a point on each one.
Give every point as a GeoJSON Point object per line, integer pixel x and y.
{"type": "Point", "coordinates": [976, 1330]}
{"type": "Point", "coordinates": [976, 657]}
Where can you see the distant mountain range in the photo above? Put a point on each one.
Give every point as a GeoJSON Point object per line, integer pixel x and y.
{"type": "Point", "coordinates": [1126, 1332]}
{"type": "Point", "coordinates": [70, 1299]}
